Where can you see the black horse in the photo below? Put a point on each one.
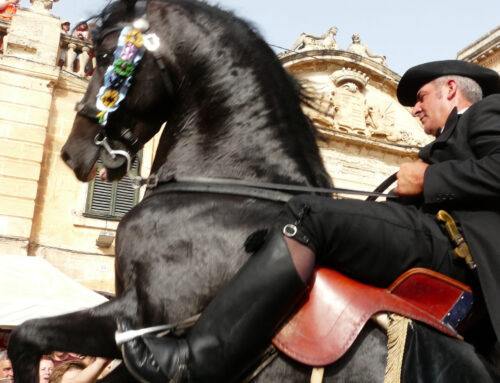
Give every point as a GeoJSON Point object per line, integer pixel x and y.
{"type": "Point", "coordinates": [232, 112]}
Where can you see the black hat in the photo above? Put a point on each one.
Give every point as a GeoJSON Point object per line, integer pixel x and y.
{"type": "Point", "coordinates": [419, 75]}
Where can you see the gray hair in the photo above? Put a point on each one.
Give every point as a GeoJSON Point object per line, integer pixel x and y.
{"type": "Point", "coordinates": [469, 88]}
{"type": "Point", "coordinates": [3, 355]}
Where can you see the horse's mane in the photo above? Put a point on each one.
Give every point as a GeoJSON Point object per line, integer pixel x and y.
{"type": "Point", "coordinates": [252, 51]}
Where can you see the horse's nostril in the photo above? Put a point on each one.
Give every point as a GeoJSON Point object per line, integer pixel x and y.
{"type": "Point", "coordinates": [65, 157]}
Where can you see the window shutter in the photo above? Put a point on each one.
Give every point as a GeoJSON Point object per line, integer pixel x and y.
{"type": "Point", "coordinates": [112, 200]}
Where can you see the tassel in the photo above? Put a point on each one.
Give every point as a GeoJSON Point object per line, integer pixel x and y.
{"type": "Point", "coordinates": [396, 340]}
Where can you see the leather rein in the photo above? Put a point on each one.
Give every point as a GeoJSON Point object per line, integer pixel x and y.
{"type": "Point", "coordinates": [260, 190]}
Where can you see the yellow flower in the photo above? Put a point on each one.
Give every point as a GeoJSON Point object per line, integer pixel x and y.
{"type": "Point", "coordinates": [109, 98]}
{"type": "Point", "coordinates": [134, 37]}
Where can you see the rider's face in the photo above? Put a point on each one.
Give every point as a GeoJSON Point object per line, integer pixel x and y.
{"type": "Point", "coordinates": [431, 107]}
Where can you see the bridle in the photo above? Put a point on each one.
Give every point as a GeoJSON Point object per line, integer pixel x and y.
{"type": "Point", "coordinates": [134, 42]}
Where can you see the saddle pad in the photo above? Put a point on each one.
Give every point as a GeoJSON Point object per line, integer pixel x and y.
{"type": "Point", "coordinates": [336, 310]}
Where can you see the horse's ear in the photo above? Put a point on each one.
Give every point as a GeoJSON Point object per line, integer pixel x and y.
{"type": "Point", "coordinates": [129, 3]}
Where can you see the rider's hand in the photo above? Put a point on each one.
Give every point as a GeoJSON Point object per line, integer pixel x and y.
{"type": "Point", "coordinates": [411, 178]}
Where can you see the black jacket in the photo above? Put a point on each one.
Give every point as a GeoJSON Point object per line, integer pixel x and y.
{"type": "Point", "coordinates": [464, 179]}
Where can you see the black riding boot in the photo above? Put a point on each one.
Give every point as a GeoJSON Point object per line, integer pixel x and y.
{"type": "Point", "coordinates": [237, 325]}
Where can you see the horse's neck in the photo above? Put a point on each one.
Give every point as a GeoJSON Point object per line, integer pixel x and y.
{"type": "Point", "coordinates": [238, 114]}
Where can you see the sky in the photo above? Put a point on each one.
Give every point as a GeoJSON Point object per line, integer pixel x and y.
{"type": "Point", "coordinates": [406, 32]}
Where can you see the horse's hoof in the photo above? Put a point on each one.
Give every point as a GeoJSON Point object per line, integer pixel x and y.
{"type": "Point", "coordinates": [138, 358]}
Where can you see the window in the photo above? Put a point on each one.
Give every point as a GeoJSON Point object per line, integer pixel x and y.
{"type": "Point", "coordinates": [112, 200]}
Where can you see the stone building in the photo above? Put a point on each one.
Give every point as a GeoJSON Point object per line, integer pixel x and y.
{"type": "Point", "coordinates": [364, 132]}
{"type": "Point", "coordinates": [46, 212]}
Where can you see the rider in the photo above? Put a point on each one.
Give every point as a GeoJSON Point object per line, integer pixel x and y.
{"type": "Point", "coordinates": [373, 242]}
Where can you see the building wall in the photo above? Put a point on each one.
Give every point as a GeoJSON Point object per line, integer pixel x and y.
{"type": "Point", "coordinates": [41, 201]}
{"type": "Point", "coordinates": [365, 134]}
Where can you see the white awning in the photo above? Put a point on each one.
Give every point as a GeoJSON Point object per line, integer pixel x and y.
{"type": "Point", "coordinates": [31, 287]}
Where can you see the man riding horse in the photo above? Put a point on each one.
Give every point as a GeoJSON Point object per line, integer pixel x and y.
{"type": "Point", "coordinates": [369, 241]}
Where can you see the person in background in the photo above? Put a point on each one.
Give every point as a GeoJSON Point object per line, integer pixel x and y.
{"type": "Point", "coordinates": [82, 31]}
{"type": "Point", "coordinates": [60, 357]}
{"type": "Point", "coordinates": [65, 25]}
{"type": "Point", "coordinates": [6, 370]}
{"type": "Point", "coordinates": [45, 369]}
{"type": "Point", "coordinates": [77, 371]}
{"type": "Point", "coordinates": [8, 8]}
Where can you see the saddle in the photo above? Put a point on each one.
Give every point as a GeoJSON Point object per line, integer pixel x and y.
{"type": "Point", "coordinates": [337, 308]}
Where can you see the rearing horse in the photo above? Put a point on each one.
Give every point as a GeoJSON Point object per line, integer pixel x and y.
{"type": "Point", "coordinates": [232, 112]}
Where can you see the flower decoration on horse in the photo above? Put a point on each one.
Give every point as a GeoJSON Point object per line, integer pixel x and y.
{"type": "Point", "coordinates": [117, 80]}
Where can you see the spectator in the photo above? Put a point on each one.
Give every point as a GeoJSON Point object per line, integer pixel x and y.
{"type": "Point", "coordinates": [60, 357]}
{"type": "Point", "coordinates": [110, 367]}
{"type": "Point", "coordinates": [8, 8]}
{"type": "Point", "coordinates": [82, 31]}
{"type": "Point", "coordinates": [45, 369]}
{"type": "Point", "coordinates": [65, 27]}
{"type": "Point", "coordinates": [76, 371]}
{"type": "Point", "coordinates": [6, 370]}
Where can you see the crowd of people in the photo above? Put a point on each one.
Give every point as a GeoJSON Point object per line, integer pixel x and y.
{"type": "Point", "coordinates": [62, 367]}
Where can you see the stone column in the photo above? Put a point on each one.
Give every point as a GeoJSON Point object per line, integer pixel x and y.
{"type": "Point", "coordinates": [28, 74]}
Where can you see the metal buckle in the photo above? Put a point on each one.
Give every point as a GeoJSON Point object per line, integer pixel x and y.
{"type": "Point", "coordinates": [290, 230]}
{"type": "Point", "coordinates": [152, 181]}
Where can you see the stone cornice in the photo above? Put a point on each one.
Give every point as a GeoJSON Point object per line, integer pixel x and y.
{"type": "Point", "coordinates": [71, 81]}
{"type": "Point", "coordinates": [339, 56]}
{"type": "Point", "coordinates": [382, 75]}
{"type": "Point", "coordinates": [29, 68]}
{"type": "Point", "coordinates": [482, 48]}
{"type": "Point", "coordinates": [394, 148]}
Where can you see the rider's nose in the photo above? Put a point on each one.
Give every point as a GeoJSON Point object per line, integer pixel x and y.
{"type": "Point", "coordinates": [416, 110]}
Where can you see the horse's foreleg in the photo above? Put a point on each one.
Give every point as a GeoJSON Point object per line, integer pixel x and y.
{"type": "Point", "coordinates": [87, 332]}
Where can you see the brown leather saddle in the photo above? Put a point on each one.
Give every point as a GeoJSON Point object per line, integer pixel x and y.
{"type": "Point", "coordinates": [337, 308]}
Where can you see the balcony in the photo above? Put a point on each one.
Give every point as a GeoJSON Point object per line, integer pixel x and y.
{"type": "Point", "coordinates": [75, 56]}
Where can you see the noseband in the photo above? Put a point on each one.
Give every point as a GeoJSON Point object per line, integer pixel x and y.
{"type": "Point", "coordinates": [132, 45]}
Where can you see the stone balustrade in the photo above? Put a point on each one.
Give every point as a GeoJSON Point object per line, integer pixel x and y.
{"type": "Point", "coordinates": [75, 56]}
{"type": "Point", "coordinates": [74, 53]}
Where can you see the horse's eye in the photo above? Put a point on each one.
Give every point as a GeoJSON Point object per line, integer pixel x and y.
{"type": "Point", "coordinates": [104, 58]}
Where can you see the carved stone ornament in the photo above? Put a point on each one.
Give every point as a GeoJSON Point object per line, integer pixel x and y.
{"type": "Point", "coordinates": [362, 50]}
{"type": "Point", "coordinates": [42, 4]}
{"type": "Point", "coordinates": [344, 107]}
{"type": "Point", "coordinates": [346, 75]}
{"type": "Point", "coordinates": [310, 42]}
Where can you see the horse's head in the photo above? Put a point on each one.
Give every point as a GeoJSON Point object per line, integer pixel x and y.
{"type": "Point", "coordinates": [125, 103]}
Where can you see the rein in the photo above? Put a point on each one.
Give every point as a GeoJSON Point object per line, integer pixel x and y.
{"type": "Point", "coordinates": [259, 190]}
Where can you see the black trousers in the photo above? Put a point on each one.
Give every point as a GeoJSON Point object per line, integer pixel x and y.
{"type": "Point", "coordinates": [373, 242]}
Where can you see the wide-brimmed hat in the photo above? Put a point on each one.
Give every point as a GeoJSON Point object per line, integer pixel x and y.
{"type": "Point", "coordinates": [419, 75]}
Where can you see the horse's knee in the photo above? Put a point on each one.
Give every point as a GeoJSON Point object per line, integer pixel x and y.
{"type": "Point", "coordinates": [23, 338]}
